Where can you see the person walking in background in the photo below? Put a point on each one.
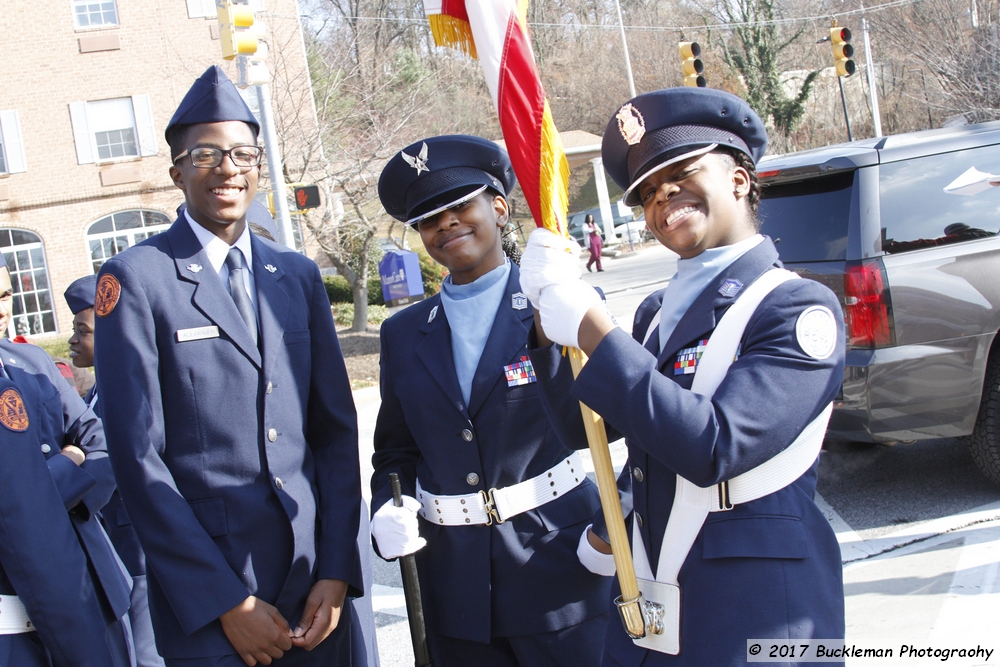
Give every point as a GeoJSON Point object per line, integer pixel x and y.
{"type": "Point", "coordinates": [733, 365]}
{"type": "Point", "coordinates": [594, 241]}
{"type": "Point", "coordinates": [230, 419]}
{"type": "Point", "coordinates": [461, 421]}
{"type": "Point", "coordinates": [80, 299]}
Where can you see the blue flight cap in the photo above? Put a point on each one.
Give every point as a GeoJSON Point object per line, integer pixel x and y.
{"type": "Point", "coordinates": [212, 98]}
{"type": "Point", "coordinates": [435, 174]}
{"type": "Point", "coordinates": [80, 293]}
{"type": "Point", "coordinates": [259, 215]}
{"type": "Point", "coordinates": [654, 130]}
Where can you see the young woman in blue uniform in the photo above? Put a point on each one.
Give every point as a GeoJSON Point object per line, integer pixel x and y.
{"type": "Point", "coordinates": [503, 501]}
{"type": "Point", "coordinates": [748, 565]}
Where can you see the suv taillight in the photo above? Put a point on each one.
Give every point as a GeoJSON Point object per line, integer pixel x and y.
{"type": "Point", "coordinates": [867, 307]}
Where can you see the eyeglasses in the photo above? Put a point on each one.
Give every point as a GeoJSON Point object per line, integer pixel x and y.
{"type": "Point", "coordinates": [207, 157]}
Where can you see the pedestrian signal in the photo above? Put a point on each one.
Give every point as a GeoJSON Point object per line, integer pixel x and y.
{"type": "Point", "coordinates": [691, 64]}
{"type": "Point", "coordinates": [236, 21]}
{"type": "Point", "coordinates": [306, 196]}
{"type": "Point", "coordinates": [840, 39]}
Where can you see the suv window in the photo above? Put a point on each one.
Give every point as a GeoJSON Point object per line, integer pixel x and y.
{"type": "Point", "coordinates": [808, 220]}
{"type": "Point", "coordinates": [917, 213]}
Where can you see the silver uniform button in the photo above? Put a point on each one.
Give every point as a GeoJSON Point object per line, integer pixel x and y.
{"type": "Point", "coordinates": [638, 519]}
{"type": "Point", "coordinates": [269, 387]}
{"type": "Point", "coordinates": [472, 479]}
{"type": "Point", "coordinates": [467, 435]}
{"type": "Point", "coordinates": [637, 473]}
{"type": "Point", "coordinates": [278, 484]}
{"type": "Point", "coordinates": [272, 435]}
{"type": "Point", "coordinates": [46, 449]}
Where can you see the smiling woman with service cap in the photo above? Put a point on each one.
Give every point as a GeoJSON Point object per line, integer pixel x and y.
{"type": "Point", "coordinates": [729, 375]}
{"type": "Point", "coordinates": [504, 502]}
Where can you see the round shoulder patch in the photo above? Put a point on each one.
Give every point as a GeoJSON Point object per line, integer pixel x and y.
{"type": "Point", "coordinates": [816, 332]}
{"type": "Point", "coordinates": [13, 414]}
{"type": "Point", "coordinates": [108, 291]}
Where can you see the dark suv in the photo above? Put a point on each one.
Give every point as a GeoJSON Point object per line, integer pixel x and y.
{"type": "Point", "coordinates": [918, 273]}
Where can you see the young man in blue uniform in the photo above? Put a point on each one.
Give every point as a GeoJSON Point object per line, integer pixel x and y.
{"type": "Point", "coordinates": [54, 477]}
{"type": "Point", "coordinates": [461, 422]}
{"type": "Point", "coordinates": [229, 415]}
{"type": "Point", "coordinates": [710, 391]}
{"type": "Point", "coordinates": [80, 299]}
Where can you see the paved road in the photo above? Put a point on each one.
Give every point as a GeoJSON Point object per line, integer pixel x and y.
{"type": "Point", "coordinates": [919, 527]}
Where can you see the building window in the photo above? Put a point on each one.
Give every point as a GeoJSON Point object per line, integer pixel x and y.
{"type": "Point", "coordinates": [109, 236]}
{"type": "Point", "coordinates": [11, 148]}
{"type": "Point", "coordinates": [90, 13]}
{"type": "Point", "coordinates": [113, 129]}
{"type": "Point", "coordinates": [32, 311]}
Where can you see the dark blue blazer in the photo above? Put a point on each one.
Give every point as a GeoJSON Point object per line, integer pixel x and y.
{"type": "Point", "coordinates": [518, 578]}
{"type": "Point", "coordinates": [51, 545]}
{"type": "Point", "coordinates": [769, 568]}
{"type": "Point", "coordinates": [238, 464]}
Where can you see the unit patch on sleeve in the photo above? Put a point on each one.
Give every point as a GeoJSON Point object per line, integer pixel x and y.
{"type": "Point", "coordinates": [108, 291]}
{"type": "Point", "coordinates": [521, 372]}
{"type": "Point", "coordinates": [688, 358]}
{"type": "Point", "coordinates": [13, 414]}
{"type": "Point", "coordinates": [816, 332]}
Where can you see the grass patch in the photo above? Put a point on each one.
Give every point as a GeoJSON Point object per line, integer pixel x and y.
{"type": "Point", "coordinates": [343, 314]}
{"type": "Point", "coordinates": [56, 347]}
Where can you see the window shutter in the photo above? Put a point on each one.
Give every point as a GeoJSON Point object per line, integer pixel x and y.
{"type": "Point", "coordinates": [144, 125]}
{"type": "Point", "coordinates": [10, 125]}
{"type": "Point", "coordinates": [81, 133]}
{"type": "Point", "coordinates": [200, 9]}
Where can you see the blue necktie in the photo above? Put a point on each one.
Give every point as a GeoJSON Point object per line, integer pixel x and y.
{"type": "Point", "coordinates": [234, 261]}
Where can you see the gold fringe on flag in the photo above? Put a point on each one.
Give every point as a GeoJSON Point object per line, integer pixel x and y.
{"type": "Point", "coordinates": [452, 32]}
{"type": "Point", "coordinates": [553, 186]}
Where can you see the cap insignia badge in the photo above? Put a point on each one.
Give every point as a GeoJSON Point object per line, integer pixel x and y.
{"type": "Point", "coordinates": [13, 414]}
{"type": "Point", "coordinates": [432, 315]}
{"type": "Point", "coordinates": [194, 268]}
{"type": "Point", "coordinates": [270, 268]}
{"type": "Point", "coordinates": [108, 291]}
{"type": "Point", "coordinates": [631, 124]}
{"type": "Point", "coordinates": [518, 301]}
{"type": "Point", "coordinates": [418, 162]}
{"type": "Point", "coordinates": [730, 288]}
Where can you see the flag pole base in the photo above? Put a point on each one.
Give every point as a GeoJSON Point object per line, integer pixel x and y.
{"type": "Point", "coordinates": [631, 612]}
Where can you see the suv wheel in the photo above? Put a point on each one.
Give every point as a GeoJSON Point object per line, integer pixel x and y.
{"type": "Point", "coordinates": [985, 439]}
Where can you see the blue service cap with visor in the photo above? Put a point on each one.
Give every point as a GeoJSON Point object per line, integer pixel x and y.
{"type": "Point", "coordinates": [81, 293]}
{"type": "Point", "coordinates": [435, 174]}
{"type": "Point", "coordinates": [657, 129]}
{"type": "Point", "coordinates": [212, 98]}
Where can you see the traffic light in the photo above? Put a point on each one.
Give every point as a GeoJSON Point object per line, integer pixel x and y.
{"type": "Point", "coordinates": [840, 39]}
{"type": "Point", "coordinates": [236, 21]}
{"type": "Point", "coordinates": [252, 70]}
{"type": "Point", "coordinates": [691, 64]}
{"type": "Point", "coordinates": [306, 196]}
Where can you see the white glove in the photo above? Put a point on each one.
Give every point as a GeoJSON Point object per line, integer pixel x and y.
{"type": "Point", "coordinates": [396, 529]}
{"type": "Point", "coordinates": [548, 259]}
{"type": "Point", "coordinates": [562, 307]}
{"type": "Point", "coordinates": [592, 559]}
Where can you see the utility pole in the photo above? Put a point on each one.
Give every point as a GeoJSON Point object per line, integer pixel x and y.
{"type": "Point", "coordinates": [870, 72]}
{"type": "Point", "coordinates": [274, 167]}
{"type": "Point", "coordinates": [628, 62]}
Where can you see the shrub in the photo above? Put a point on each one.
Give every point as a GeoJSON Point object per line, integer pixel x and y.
{"type": "Point", "coordinates": [339, 290]}
{"type": "Point", "coordinates": [431, 272]}
{"type": "Point", "coordinates": [343, 314]}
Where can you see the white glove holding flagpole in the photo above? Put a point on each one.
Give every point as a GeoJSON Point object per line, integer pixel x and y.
{"type": "Point", "coordinates": [592, 559]}
{"type": "Point", "coordinates": [396, 529]}
{"type": "Point", "coordinates": [562, 308]}
{"type": "Point", "coordinates": [548, 259]}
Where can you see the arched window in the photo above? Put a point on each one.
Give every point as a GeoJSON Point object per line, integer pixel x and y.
{"type": "Point", "coordinates": [32, 306]}
{"type": "Point", "coordinates": [109, 236]}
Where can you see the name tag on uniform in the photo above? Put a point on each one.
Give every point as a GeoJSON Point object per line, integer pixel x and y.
{"type": "Point", "coordinates": [198, 333]}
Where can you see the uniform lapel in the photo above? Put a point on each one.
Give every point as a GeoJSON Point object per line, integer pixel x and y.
{"type": "Point", "coordinates": [272, 301]}
{"type": "Point", "coordinates": [210, 296]}
{"type": "Point", "coordinates": [436, 354]}
{"type": "Point", "coordinates": [702, 317]}
{"type": "Point", "coordinates": [507, 338]}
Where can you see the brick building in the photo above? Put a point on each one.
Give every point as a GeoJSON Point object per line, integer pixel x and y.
{"type": "Point", "coordinates": [86, 90]}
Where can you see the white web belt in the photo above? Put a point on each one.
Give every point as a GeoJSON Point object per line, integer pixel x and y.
{"type": "Point", "coordinates": [13, 616]}
{"type": "Point", "coordinates": [498, 505]}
